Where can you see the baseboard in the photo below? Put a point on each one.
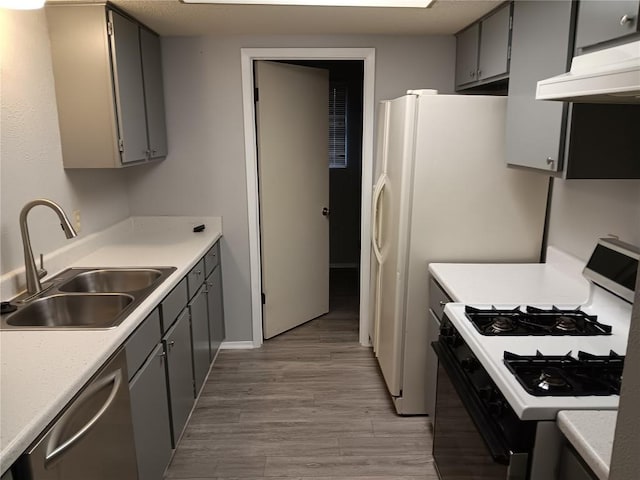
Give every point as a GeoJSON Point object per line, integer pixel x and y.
{"type": "Point", "coordinates": [237, 345]}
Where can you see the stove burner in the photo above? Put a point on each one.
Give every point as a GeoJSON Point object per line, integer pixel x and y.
{"type": "Point", "coordinates": [501, 324]}
{"type": "Point", "coordinates": [566, 324]}
{"type": "Point", "coordinates": [550, 381]}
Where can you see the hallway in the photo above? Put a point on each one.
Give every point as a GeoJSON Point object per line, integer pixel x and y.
{"type": "Point", "coordinates": [309, 405]}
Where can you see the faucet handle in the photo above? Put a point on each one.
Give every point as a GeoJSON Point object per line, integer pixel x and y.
{"type": "Point", "coordinates": [42, 271]}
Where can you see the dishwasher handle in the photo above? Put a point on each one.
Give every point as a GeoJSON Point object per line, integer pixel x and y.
{"type": "Point", "coordinates": [54, 450]}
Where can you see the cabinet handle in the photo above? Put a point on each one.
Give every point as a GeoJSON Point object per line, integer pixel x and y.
{"type": "Point", "coordinates": [626, 19]}
{"type": "Point", "coordinates": [442, 304]}
{"type": "Point", "coordinates": [171, 344]}
{"type": "Point", "coordinates": [550, 162]}
{"type": "Point", "coordinates": [479, 73]}
{"type": "Point", "coordinates": [472, 74]}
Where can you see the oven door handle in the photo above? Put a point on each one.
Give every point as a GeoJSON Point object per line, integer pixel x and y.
{"type": "Point", "coordinates": [469, 398]}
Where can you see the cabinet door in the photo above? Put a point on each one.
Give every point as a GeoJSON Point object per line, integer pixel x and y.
{"type": "Point", "coordinates": [433, 331]}
{"type": "Point", "coordinates": [216, 311]}
{"type": "Point", "coordinates": [467, 55]}
{"type": "Point", "coordinates": [153, 93]}
{"type": "Point", "coordinates": [127, 76]}
{"type": "Point", "coordinates": [199, 338]}
{"type": "Point", "coordinates": [540, 48]}
{"type": "Point", "coordinates": [493, 58]}
{"type": "Point", "coordinates": [177, 344]}
{"type": "Point", "coordinates": [150, 413]}
{"type": "Point", "coordinates": [602, 20]}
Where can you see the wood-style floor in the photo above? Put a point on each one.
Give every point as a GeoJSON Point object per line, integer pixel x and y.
{"type": "Point", "coordinates": [309, 405]}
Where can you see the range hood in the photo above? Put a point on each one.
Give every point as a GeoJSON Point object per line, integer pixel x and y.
{"type": "Point", "coordinates": [611, 75]}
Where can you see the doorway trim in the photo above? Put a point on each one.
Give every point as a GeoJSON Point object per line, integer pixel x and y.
{"type": "Point", "coordinates": [247, 56]}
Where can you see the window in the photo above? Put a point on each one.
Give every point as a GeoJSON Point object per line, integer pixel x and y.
{"type": "Point", "coordinates": [337, 125]}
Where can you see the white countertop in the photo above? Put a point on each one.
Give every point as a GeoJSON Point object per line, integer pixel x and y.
{"type": "Point", "coordinates": [510, 283]}
{"type": "Point", "coordinates": [591, 433]}
{"type": "Point", "coordinates": [40, 371]}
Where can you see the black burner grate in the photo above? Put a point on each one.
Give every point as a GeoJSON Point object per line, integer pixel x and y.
{"type": "Point", "coordinates": [564, 375]}
{"type": "Point", "coordinates": [535, 321]}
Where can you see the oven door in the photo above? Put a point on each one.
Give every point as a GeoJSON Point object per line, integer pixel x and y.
{"type": "Point", "coordinates": [467, 443]}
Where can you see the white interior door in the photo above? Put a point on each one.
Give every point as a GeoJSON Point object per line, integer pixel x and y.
{"type": "Point", "coordinates": [292, 116]}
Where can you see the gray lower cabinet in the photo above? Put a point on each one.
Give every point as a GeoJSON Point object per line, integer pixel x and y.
{"type": "Point", "coordinates": [150, 413]}
{"type": "Point", "coordinates": [540, 48]}
{"type": "Point", "coordinates": [199, 338]}
{"type": "Point", "coordinates": [177, 346]}
{"type": "Point", "coordinates": [572, 467]}
{"type": "Point", "coordinates": [217, 332]}
{"type": "Point", "coordinates": [605, 20]}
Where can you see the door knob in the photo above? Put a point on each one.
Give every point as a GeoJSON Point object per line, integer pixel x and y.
{"type": "Point", "coordinates": [325, 212]}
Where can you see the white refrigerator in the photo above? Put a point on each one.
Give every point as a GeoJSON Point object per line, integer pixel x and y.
{"type": "Point", "coordinates": [443, 194]}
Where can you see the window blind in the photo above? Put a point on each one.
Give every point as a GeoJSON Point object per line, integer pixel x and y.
{"type": "Point", "coordinates": [337, 125]}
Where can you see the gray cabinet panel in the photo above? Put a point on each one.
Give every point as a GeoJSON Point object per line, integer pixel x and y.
{"type": "Point", "coordinates": [142, 341]}
{"type": "Point", "coordinates": [212, 259]}
{"type": "Point", "coordinates": [127, 72]}
{"type": "Point", "coordinates": [153, 93]}
{"type": "Point", "coordinates": [540, 48]}
{"type": "Point", "coordinates": [177, 344]}
{"type": "Point", "coordinates": [216, 311]}
{"type": "Point", "coordinates": [601, 20]}
{"type": "Point", "coordinates": [150, 412]}
{"type": "Point", "coordinates": [173, 304]}
{"type": "Point", "coordinates": [199, 338]}
{"type": "Point", "coordinates": [493, 58]}
{"type": "Point", "coordinates": [467, 44]}
{"type": "Point", "coordinates": [195, 278]}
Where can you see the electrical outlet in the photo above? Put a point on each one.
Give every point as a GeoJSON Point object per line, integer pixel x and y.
{"type": "Point", "coordinates": [77, 224]}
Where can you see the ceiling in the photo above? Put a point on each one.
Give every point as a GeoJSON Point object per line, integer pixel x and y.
{"type": "Point", "coordinates": [173, 18]}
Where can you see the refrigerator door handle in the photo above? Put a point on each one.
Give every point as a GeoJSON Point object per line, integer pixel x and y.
{"type": "Point", "coordinates": [377, 216]}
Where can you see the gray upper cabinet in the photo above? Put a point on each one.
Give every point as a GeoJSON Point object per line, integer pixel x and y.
{"type": "Point", "coordinates": [604, 20]}
{"type": "Point", "coordinates": [108, 81]}
{"type": "Point", "coordinates": [129, 92]}
{"type": "Point", "coordinates": [154, 93]}
{"type": "Point", "coordinates": [540, 47]}
{"type": "Point", "coordinates": [467, 55]}
{"type": "Point", "coordinates": [493, 58]}
{"type": "Point", "coordinates": [482, 50]}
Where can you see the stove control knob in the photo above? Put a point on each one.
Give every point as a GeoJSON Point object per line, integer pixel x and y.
{"type": "Point", "coordinates": [496, 407]}
{"type": "Point", "coordinates": [469, 364]}
{"type": "Point", "coordinates": [486, 393]}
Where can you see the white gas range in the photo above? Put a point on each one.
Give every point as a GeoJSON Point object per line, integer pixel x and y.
{"type": "Point", "coordinates": [508, 420]}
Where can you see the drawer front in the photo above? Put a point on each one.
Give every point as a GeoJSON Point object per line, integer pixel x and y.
{"type": "Point", "coordinates": [173, 304]}
{"type": "Point", "coordinates": [195, 278]}
{"type": "Point", "coordinates": [437, 298]}
{"type": "Point", "coordinates": [142, 342]}
{"type": "Point", "coordinates": [212, 259]}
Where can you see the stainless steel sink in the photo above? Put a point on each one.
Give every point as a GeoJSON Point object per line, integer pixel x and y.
{"type": "Point", "coordinates": [85, 298]}
{"type": "Point", "coordinates": [76, 311]}
{"type": "Point", "coordinates": [112, 280]}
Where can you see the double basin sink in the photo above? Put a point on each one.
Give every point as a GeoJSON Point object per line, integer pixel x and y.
{"type": "Point", "coordinates": [85, 298]}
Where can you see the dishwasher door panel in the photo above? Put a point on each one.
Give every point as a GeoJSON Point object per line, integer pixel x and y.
{"type": "Point", "coordinates": [92, 438]}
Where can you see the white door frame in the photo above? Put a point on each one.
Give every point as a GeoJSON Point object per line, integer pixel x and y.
{"type": "Point", "coordinates": [248, 55]}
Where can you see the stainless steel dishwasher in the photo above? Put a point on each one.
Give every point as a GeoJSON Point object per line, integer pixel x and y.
{"type": "Point", "coordinates": [92, 438]}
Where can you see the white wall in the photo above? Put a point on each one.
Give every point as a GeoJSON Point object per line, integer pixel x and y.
{"type": "Point", "coordinates": [204, 116]}
{"type": "Point", "coordinates": [584, 210]}
{"type": "Point", "coordinates": [30, 153]}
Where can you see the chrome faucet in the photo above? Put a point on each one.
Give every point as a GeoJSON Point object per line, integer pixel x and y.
{"type": "Point", "coordinates": [32, 274]}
